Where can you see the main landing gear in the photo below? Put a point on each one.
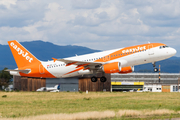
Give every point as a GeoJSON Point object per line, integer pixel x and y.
{"type": "Point", "coordinates": [94, 79]}
{"type": "Point", "coordinates": [154, 65]}
{"type": "Point", "coordinates": [102, 79]}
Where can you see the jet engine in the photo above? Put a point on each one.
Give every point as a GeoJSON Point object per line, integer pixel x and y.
{"type": "Point", "coordinates": [112, 67]}
{"type": "Point", "coordinates": [125, 70]}
{"type": "Point", "coordinates": [115, 67]}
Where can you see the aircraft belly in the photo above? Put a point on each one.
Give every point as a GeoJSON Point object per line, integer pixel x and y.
{"type": "Point", "coordinates": [60, 71]}
{"type": "Point", "coordinates": [77, 73]}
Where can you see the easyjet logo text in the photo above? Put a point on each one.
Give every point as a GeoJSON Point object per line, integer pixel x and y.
{"type": "Point", "coordinates": [21, 52]}
{"type": "Point", "coordinates": [134, 49]}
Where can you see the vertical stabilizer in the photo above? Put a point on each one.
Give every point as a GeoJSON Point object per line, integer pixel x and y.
{"type": "Point", "coordinates": [21, 55]}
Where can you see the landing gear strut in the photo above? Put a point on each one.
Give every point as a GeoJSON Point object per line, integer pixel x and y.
{"type": "Point", "coordinates": [154, 65]}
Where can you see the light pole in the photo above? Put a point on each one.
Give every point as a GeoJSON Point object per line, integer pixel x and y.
{"type": "Point", "coordinates": [159, 74]}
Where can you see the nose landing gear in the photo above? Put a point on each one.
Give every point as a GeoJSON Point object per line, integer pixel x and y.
{"type": "Point", "coordinates": [154, 65]}
{"type": "Point", "coordinates": [155, 70]}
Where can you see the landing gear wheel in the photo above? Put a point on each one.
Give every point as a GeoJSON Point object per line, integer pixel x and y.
{"type": "Point", "coordinates": [154, 65]}
{"type": "Point", "coordinates": [103, 79]}
{"type": "Point", "coordinates": [94, 79]}
{"type": "Point", "coordinates": [155, 69]}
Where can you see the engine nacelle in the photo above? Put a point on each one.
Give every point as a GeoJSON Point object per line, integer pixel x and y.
{"type": "Point", "coordinates": [112, 67]}
{"type": "Point", "coordinates": [115, 67]}
{"type": "Point", "coordinates": [125, 70]}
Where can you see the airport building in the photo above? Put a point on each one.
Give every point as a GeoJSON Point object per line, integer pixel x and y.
{"type": "Point", "coordinates": [167, 82]}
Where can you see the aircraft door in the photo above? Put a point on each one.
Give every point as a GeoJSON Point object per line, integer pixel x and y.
{"type": "Point", "coordinates": [150, 50]}
{"type": "Point", "coordinates": [41, 69]}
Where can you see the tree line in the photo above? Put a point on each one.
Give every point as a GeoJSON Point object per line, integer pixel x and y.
{"type": "Point", "coordinates": [5, 78]}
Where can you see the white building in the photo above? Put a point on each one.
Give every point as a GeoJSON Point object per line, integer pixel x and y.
{"type": "Point", "coordinates": [168, 82]}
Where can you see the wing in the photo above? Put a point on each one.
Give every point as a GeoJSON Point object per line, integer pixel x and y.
{"type": "Point", "coordinates": [90, 65]}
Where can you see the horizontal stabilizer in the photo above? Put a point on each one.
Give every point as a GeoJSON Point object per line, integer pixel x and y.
{"type": "Point", "coordinates": [22, 71]}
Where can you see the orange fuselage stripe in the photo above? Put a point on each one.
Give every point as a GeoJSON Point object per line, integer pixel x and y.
{"type": "Point", "coordinates": [80, 68]}
{"type": "Point", "coordinates": [71, 63]}
{"type": "Point", "coordinates": [128, 51]}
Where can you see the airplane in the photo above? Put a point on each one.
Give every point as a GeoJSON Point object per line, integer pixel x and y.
{"type": "Point", "coordinates": [49, 89]}
{"type": "Point", "coordinates": [120, 61]}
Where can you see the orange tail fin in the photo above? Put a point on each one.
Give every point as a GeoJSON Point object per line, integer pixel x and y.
{"type": "Point", "coordinates": [21, 55]}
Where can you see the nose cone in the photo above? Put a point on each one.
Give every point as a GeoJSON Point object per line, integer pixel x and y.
{"type": "Point", "coordinates": [172, 52]}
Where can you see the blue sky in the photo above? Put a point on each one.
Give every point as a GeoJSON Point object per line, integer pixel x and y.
{"type": "Point", "coordinates": [97, 24]}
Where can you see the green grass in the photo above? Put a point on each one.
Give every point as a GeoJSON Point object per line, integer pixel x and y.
{"type": "Point", "coordinates": [23, 104]}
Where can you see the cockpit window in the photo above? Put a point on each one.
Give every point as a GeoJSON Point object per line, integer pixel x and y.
{"type": "Point", "coordinates": [163, 47]}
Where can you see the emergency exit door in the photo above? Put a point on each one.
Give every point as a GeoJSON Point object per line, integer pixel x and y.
{"type": "Point", "coordinates": [41, 69]}
{"type": "Point", "coordinates": [150, 50]}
